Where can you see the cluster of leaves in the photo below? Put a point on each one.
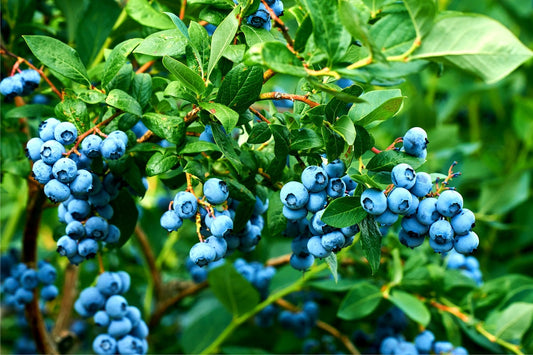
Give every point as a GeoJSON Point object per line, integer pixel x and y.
{"type": "Point", "coordinates": [140, 62]}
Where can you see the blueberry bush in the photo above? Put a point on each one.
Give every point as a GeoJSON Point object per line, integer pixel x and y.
{"type": "Point", "coordinates": [274, 176]}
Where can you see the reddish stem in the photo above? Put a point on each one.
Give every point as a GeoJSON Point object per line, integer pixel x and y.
{"type": "Point", "coordinates": [258, 114]}
{"type": "Point", "coordinates": [283, 96]}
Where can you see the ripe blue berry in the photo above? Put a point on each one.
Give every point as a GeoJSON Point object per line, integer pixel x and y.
{"type": "Point", "coordinates": [52, 151]}
{"type": "Point", "coordinates": [41, 171]}
{"type": "Point", "coordinates": [333, 241]}
{"type": "Point", "coordinates": [56, 191]}
{"type": "Point", "coordinates": [302, 262]}
{"type": "Point", "coordinates": [388, 345]}
{"type": "Point", "coordinates": [116, 307]}
{"type": "Point", "coordinates": [104, 344]}
{"type": "Point", "coordinates": [29, 279]}
{"type": "Point", "coordinates": [374, 201]}
{"type": "Point", "coordinates": [336, 188]}
{"type": "Point", "coordinates": [317, 201]}
{"type": "Point", "coordinates": [423, 185]}
{"type": "Point", "coordinates": [427, 211]}
{"type": "Point", "coordinates": [120, 135]}
{"type": "Point", "coordinates": [47, 127]}
{"type": "Point", "coordinates": [91, 300]}
{"type": "Point", "coordinates": [82, 183]}
{"type": "Point", "coordinates": [23, 296]}
{"type": "Point", "coordinates": [293, 215]}
{"type": "Point", "coordinates": [318, 225]}
{"type": "Point", "coordinates": [399, 200]}
{"type": "Point", "coordinates": [79, 209]}
{"type": "Point", "coordinates": [185, 204]}
{"type": "Point", "coordinates": [96, 227]}
{"type": "Point", "coordinates": [387, 218]}
{"type": "Point", "coordinates": [411, 225]}
{"type": "Point", "coordinates": [134, 315]}
{"type": "Point", "coordinates": [315, 247]}
{"type": "Point", "coordinates": [335, 169]}
{"type": "Point", "coordinates": [424, 341]}
{"type": "Point", "coordinates": [466, 244]}
{"type": "Point", "coordinates": [119, 327]}
{"type": "Point", "coordinates": [260, 19]}
{"type": "Point", "coordinates": [33, 148]}
{"type": "Point", "coordinates": [294, 195]}
{"type": "Point", "coordinates": [65, 170]}
{"type": "Point", "coordinates": [140, 331]}
{"type": "Point", "coordinates": [442, 347]}
{"type": "Point", "coordinates": [219, 245]}
{"type": "Point", "coordinates": [101, 319]}
{"type": "Point", "coordinates": [66, 246]}
{"type": "Point", "coordinates": [12, 86]}
{"type": "Point", "coordinates": [449, 203]}
{"type": "Point", "coordinates": [415, 141]}
{"type": "Point", "coordinates": [202, 254]}
{"type": "Point", "coordinates": [207, 135]}
{"type": "Point", "coordinates": [88, 248]}
{"type": "Point", "coordinates": [109, 283]}
{"type": "Point", "coordinates": [91, 146]}
{"type": "Point", "coordinates": [130, 345]}
{"type": "Point", "coordinates": [170, 221]}
{"type": "Point", "coordinates": [47, 274]}
{"type": "Point", "coordinates": [221, 226]}
{"type": "Point", "coordinates": [113, 234]}
{"type": "Point", "coordinates": [49, 292]}
{"type": "Point", "coordinates": [403, 175]}
{"type": "Point", "coordinates": [314, 178]}
{"type": "Point", "coordinates": [75, 230]}
{"type": "Point", "coordinates": [216, 191]}
{"type": "Point", "coordinates": [112, 148]}
{"type": "Point", "coordinates": [410, 239]}
{"type": "Point", "coordinates": [65, 133]}
{"type": "Point", "coordinates": [463, 222]}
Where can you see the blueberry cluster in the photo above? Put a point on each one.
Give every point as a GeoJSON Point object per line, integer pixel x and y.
{"type": "Point", "coordinates": [84, 195]}
{"type": "Point", "coordinates": [424, 343]}
{"type": "Point", "coordinates": [312, 237]}
{"type": "Point", "coordinates": [20, 84]}
{"type": "Point", "coordinates": [300, 322]}
{"type": "Point", "coordinates": [126, 331]}
{"type": "Point", "coordinates": [261, 18]}
{"type": "Point", "coordinates": [20, 281]}
{"type": "Point", "coordinates": [216, 225]}
{"type": "Point", "coordinates": [326, 345]}
{"type": "Point", "coordinates": [443, 217]}
{"type": "Point", "coordinates": [199, 273]}
{"type": "Point", "coordinates": [468, 265]}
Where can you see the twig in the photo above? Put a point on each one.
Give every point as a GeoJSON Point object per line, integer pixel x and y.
{"type": "Point", "coordinates": [283, 96]}
{"type": "Point", "coordinates": [258, 114]}
{"type": "Point", "coordinates": [191, 115]}
{"type": "Point", "coordinates": [67, 302]}
{"type": "Point", "coordinates": [182, 9]}
{"type": "Point", "coordinates": [278, 261]}
{"type": "Point", "coordinates": [269, 73]}
{"type": "Point", "coordinates": [145, 67]}
{"type": "Point", "coordinates": [150, 259]}
{"type": "Point", "coordinates": [281, 25]}
{"type": "Point", "coordinates": [145, 137]}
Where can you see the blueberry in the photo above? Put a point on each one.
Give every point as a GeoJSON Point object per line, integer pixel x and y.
{"type": "Point", "coordinates": [292, 214]}
{"type": "Point", "coordinates": [11, 86]}
{"type": "Point", "coordinates": [388, 345]}
{"type": "Point", "coordinates": [105, 211]}
{"type": "Point", "coordinates": [112, 148]}
{"type": "Point", "coordinates": [104, 344]}
{"type": "Point", "coordinates": [134, 315]}
{"type": "Point", "coordinates": [459, 350]}
{"type": "Point", "coordinates": [374, 201]}
{"type": "Point", "coordinates": [109, 283]}
{"type": "Point", "coordinates": [260, 207]}
{"type": "Point", "coordinates": [302, 262]}
{"type": "Point", "coordinates": [318, 225]}
{"type": "Point", "coordinates": [336, 188]}
{"type": "Point", "coordinates": [139, 129]}
{"type": "Point", "coordinates": [79, 209]}
{"type": "Point", "coordinates": [120, 136]}
{"type": "Point", "coordinates": [65, 170]}
{"type": "Point", "coordinates": [88, 248]}
{"type": "Point", "coordinates": [130, 345]}
{"type": "Point", "coordinates": [441, 231]}
{"type": "Point", "coordinates": [82, 161]}
{"type": "Point", "coordinates": [403, 175]}
{"type": "Point", "coordinates": [441, 248]}
{"type": "Point", "coordinates": [96, 227]}
{"type": "Point", "coordinates": [333, 241]}
{"type": "Point", "coordinates": [56, 191]}
{"type": "Point", "coordinates": [387, 218]}
{"type": "Point", "coordinates": [427, 211]}
{"type": "Point", "coordinates": [423, 185]}
{"type": "Point", "coordinates": [424, 341]}
{"type": "Point", "coordinates": [314, 178]}
{"type": "Point", "coordinates": [202, 254]}
{"type": "Point", "coordinates": [219, 245]}
{"type": "Point", "coordinates": [52, 151]}
{"type": "Point", "coordinates": [410, 239]}
{"type": "Point", "coordinates": [75, 230]}
{"type": "Point", "coordinates": [170, 221]}
{"type": "Point", "coordinates": [466, 244]}
{"type": "Point", "coordinates": [251, 237]}
{"type": "Point", "coordinates": [258, 221]}
{"type": "Point", "coordinates": [41, 172]}
{"type": "Point", "coordinates": [350, 184]}
{"type": "Point", "coordinates": [10, 285]}
{"type": "Point", "coordinates": [33, 148]}
{"type": "Point", "coordinates": [113, 234]}
{"type": "Point", "coordinates": [76, 259]}
{"type": "Point", "coordinates": [315, 247]}
{"type": "Point", "coordinates": [399, 200]}
{"type": "Point", "coordinates": [294, 195]}
{"type": "Point", "coordinates": [207, 135]}
{"type": "Point", "coordinates": [185, 204]}
{"type": "Point", "coordinates": [414, 206]}
{"type": "Point", "coordinates": [415, 141]}
{"type": "Point", "coordinates": [140, 330]}
{"type": "Point", "coordinates": [65, 133]}
{"type": "Point", "coordinates": [260, 19]}
{"type": "Point", "coordinates": [299, 245]}
{"type": "Point", "coordinates": [405, 348]}
{"type": "Point", "coordinates": [449, 203]}
{"type": "Point", "coordinates": [311, 309]}
{"type": "Point", "coordinates": [31, 79]}
{"type": "Point", "coordinates": [91, 300]}
{"type": "Point", "coordinates": [455, 260]}
{"type": "Point", "coordinates": [47, 127]}
{"type": "Point", "coordinates": [116, 307]}
{"type": "Point", "coordinates": [66, 246]}
{"type": "Point", "coordinates": [82, 183]}
{"type": "Point", "coordinates": [23, 295]}
{"type": "Point", "coordinates": [463, 222]}
{"type": "Point", "coordinates": [90, 145]}
{"type": "Point", "coordinates": [277, 7]}
{"type": "Point", "coordinates": [49, 292]}
{"type": "Point", "coordinates": [350, 231]}
{"type": "Point", "coordinates": [442, 347]}
{"type": "Point", "coordinates": [216, 191]}
{"type": "Point", "coordinates": [415, 229]}
{"type": "Point", "coordinates": [221, 226]}
{"type": "Point", "coordinates": [125, 279]}
{"type": "Point", "coordinates": [335, 169]}
{"type": "Point", "coordinates": [29, 279]}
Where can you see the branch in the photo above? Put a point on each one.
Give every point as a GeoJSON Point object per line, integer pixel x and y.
{"type": "Point", "coordinates": [258, 114]}
{"type": "Point", "coordinates": [280, 260]}
{"type": "Point", "coordinates": [67, 303]}
{"type": "Point", "coordinates": [191, 116]}
{"type": "Point", "coordinates": [282, 96]}
{"type": "Point", "coordinates": [150, 259]}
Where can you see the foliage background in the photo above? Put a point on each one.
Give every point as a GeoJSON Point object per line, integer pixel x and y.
{"type": "Point", "coordinates": [488, 129]}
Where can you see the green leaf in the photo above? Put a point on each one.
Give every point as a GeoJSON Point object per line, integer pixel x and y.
{"type": "Point", "coordinates": [121, 100]}
{"type": "Point", "coordinates": [59, 57]}
{"type": "Point", "coordinates": [303, 33]}
{"type": "Point", "coordinates": [328, 32]}
{"type": "Point", "coordinates": [73, 13]}
{"type": "Point", "coordinates": [331, 260]}
{"type": "Point", "coordinates": [225, 143]}
{"type": "Point", "coordinates": [200, 45]}
{"type": "Point", "coordinates": [366, 179]}
{"type": "Point", "coordinates": [422, 14]}
{"type": "Point", "coordinates": [185, 75]}
{"type": "Point", "coordinates": [124, 217]}
{"type": "Point", "coordinates": [222, 37]}
{"type": "Point", "coordinates": [143, 13]}
{"type": "Point", "coordinates": [276, 56]}
{"type": "Point", "coordinates": [73, 110]}
{"type": "Point", "coordinates": [363, 141]}
{"type": "Point", "coordinates": [411, 306]}
{"type": "Point", "coordinates": [178, 23]}
{"type": "Point", "coordinates": [224, 115]}
{"type": "Point", "coordinates": [330, 285]}
{"type": "Point", "coordinates": [241, 87]}
{"type": "Point", "coordinates": [160, 163]}
{"type": "Point", "coordinates": [162, 43]}
{"type": "Point", "coordinates": [502, 195]}
{"type": "Point", "coordinates": [361, 301]}
{"type": "Point", "coordinates": [379, 105]}
{"type": "Point", "coordinates": [511, 323]}
{"type": "Point", "coordinates": [371, 242]}
{"type": "Point", "coordinates": [345, 127]}
{"type": "Point", "coordinates": [171, 128]}
{"type": "Point", "coordinates": [305, 139]}
{"type": "Point", "coordinates": [260, 133]}
{"type": "Point", "coordinates": [142, 88]}
{"type": "Point", "coordinates": [474, 43]}
{"type": "Point", "coordinates": [276, 221]}
{"type": "Point", "coordinates": [344, 212]}
{"type": "Point", "coordinates": [337, 107]}
{"type": "Point", "coordinates": [232, 289]}
{"type": "Point", "coordinates": [388, 159]}
{"type": "Point", "coordinates": [30, 111]}
{"type": "Point", "coordinates": [91, 96]}
{"type": "Point", "coordinates": [198, 147]}
{"type": "Point", "coordinates": [255, 35]}
{"type": "Point", "coordinates": [281, 150]}
{"type": "Point", "coordinates": [334, 143]}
